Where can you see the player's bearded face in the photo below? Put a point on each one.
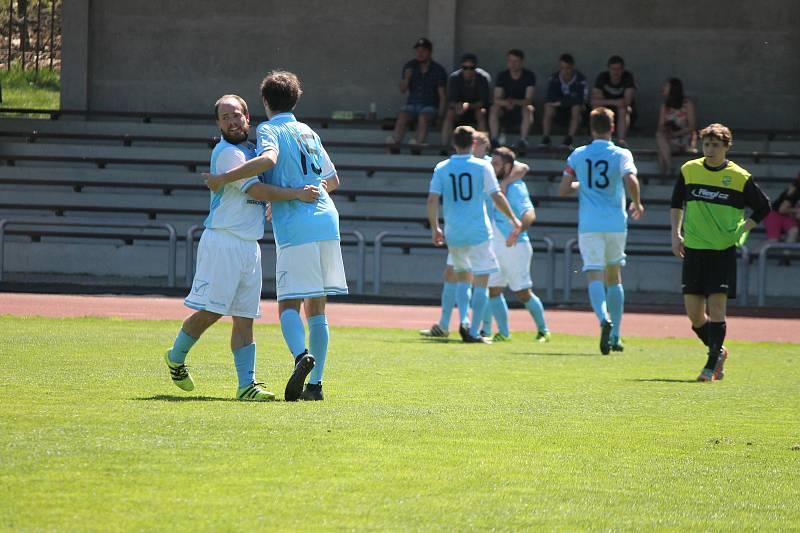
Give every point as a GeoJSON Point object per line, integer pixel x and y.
{"type": "Point", "coordinates": [236, 132]}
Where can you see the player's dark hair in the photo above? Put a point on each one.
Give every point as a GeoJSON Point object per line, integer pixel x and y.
{"type": "Point", "coordinates": [675, 96]}
{"type": "Point", "coordinates": [616, 60]}
{"type": "Point", "coordinates": [517, 53]}
{"type": "Point", "coordinates": [462, 136]}
{"type": "Point", "coordinates": [234, 97]}
{"type": "Point", "coordinates": [281, 90]}
{"type": "Point", "coordinates": [601, 119]}
{"type": "Point", "coordinates": [567, 58]}
{"type": "Point", "coordinates": [718, 131]}
{"type": "Point", "coordinates": [506, 154]}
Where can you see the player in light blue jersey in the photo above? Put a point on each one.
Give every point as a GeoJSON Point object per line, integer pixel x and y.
{"type": "Point", "coordinates": [480, 149]}
{"type": "Point", "coordinates": [515, 261]}
{"type": "Point", "coordinates": [461, 182]}
{"type": "Point", "coordinates": [309, 264]}
{"type": "Point", "coordinates": [600, 173]}
{"type": "Point", "coordinates": [228, 274]}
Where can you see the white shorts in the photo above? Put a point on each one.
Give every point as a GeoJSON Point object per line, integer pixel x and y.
{"type": "Point", "coordinates": [450, 263]}
{"type": "Point", "coordinates": [478, 259]}
{"type": "Point", "coordinates": [227, 279]}
{"type": "Point", "coordinates": [599, 250]}
{"type": "Point", "coordinates": [310, 270]}
{"type": "Point", "coordinates": [515, 265]}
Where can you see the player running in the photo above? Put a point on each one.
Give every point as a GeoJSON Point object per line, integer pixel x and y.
{"type": "Point", "coordinates": [600, 173]}
{"type": "Point", "coordinates": [480, 148]}
{"type": "Point", "coordinates": [514, 261]}
{"type": "Point", "coordinates": [309, 263]}
{"type": "Point", "coordinates": [708, 203]}
{"type": "Point", "coordinates": [228, 276]}
{"type": "Point", "coordinates": [462, 181]}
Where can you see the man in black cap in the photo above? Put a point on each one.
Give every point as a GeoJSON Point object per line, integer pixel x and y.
{"type": "Point", "coordinates": [467, 97]}
{"type": "Point", "coordinates": [425, 81]}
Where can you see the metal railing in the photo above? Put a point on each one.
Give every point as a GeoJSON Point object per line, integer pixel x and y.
{"type": "Point", "coordinates": [377, 256]}
{"type": "Point", "coordinates": [169, 228]}
{"type": "Point", "coordinates": [742, 272]}
{"type": "Point", "coordinates": [762, 266]}
{"type": "Point", "coordinates": [31, 33]}
{"type": "Point", "coordinates": [361, 254]}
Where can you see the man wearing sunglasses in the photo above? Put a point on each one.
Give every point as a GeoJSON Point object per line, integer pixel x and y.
{"type": "Point", "coordinates": [467, 98]}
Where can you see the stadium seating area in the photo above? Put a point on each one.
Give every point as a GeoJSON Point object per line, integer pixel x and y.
{"type": "Point", "coordinates": [131, 172]}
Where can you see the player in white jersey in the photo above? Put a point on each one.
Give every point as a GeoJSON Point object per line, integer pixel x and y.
{"type": "Point", "coordinates": [480, 149]}
{"type": "Point", "coordinates": [600, 172]}
{"type": "Point", "coordinates": [309, 264]}
{"type": "Point", "coordinates": [515, 261]}
{"type": "Point", "coordinates": [228, 274]}
{"type": "Point", "coordinates": [461, 182]}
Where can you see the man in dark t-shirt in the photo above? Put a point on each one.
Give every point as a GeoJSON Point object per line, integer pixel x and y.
{"type": "Point", "coordinates": [467, 98]}
{"type": "Point", "coordinates": [616, 90]}
{"type": "Point", "coordinates": [514, 91]}
{"type": "Point", "coordinates": [424, 80]}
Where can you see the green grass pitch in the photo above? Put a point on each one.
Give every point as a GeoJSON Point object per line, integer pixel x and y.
{"type": "Point", "coordinates": [414, 435]}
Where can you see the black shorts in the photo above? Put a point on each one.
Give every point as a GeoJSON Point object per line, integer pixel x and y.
{"type": "Point", "coordinates": [709, 272]}
{"type": "Point", "coordinates": [511, 119]}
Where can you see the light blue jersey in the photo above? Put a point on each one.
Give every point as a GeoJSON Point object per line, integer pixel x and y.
{"type": "Point", "coordinates": [520, 201]}
{"type": "Point", "coordinates": [600, 167]}
{"type": "Point", "coordinates": [463, 181]}
{"type": "Point", "coordinates": [301, 161]}
{"type": "Point", "coordinates": [231, 209]}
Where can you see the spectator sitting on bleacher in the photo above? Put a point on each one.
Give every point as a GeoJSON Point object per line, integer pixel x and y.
{"type": "Point", "coordinates": [425, 81]}
{"type": "Point", "coordinates": [615, 89]}
{"type": "Point", "coordinates": [785, 214]}
{"type": "Point", "coordinates": [467, 98]}
{"type": "Point", "coordinates": [677, 128]}
{"type": "Point", "coordinates": [566, 100]}
{"type": "Point", "coordinates": [514, 91]}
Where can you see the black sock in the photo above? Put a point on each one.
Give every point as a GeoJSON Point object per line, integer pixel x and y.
{"type": "Point", "coordinates": [702, 332]}
{"type": "Point", "coordinates": [716, 336]}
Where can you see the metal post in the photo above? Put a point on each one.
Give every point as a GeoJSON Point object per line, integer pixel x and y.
{"type": "Point", "coordinates": [744, 275]}
{"type": "Point", "coordinates": [361, 257]}
{"type": "Point", "coordinates": [173, 255]}
{"type": "Point", "coordinates": [52, 31]}
{"type": "Point", "coordinates": [38, 32]}
{"type": "Point", "coordinates": [762, 274]}
{"type": "Point", "coordinates": [551, 268]}
{"type": "Point", "coordinates": [2, 246]}
{"type": "Point", "coordinates": [376, 262]}
{"type": "Point", "coordinates": [10, 31]}
{"type": "Point", "coordinates": [568, 269]}
{"type": "Point", "coordinates": [23, 35]}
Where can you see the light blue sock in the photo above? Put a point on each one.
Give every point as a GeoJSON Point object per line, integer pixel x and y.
{"type": "Point", "coordinates": [183, 343]}
{"type": "Point", "coordinates": [616, 305]}
{"type": "Point", "coordinates": [536, 309]}
{"type": "Point", "coordinates": [480, 299]}
{"type": "Point", "coordinates": [500, 312]}
{"type": "Point", "coordinates": [448, 302]}
{"type": "Point", "coordinates": [318, 345]}
{"type": "Point", "coordinates": [597, 297]}
{"type": "Point", "coordinates": [486, 325]}
{"type": "Point", "coordinates": [462, 301]}
{"type": "Point", "coordinates": [294, 333]}
{"type": "Point", "coordinates": [244, 359]}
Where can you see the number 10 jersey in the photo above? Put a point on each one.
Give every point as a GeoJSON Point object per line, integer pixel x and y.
{"type": "Point", "coordinates": [600, 167]}
{"type": "Point", "coordinates": [463, 182]}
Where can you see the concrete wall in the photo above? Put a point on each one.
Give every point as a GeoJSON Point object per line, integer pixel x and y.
{"type": "Point", "coordinates": [738, 60]}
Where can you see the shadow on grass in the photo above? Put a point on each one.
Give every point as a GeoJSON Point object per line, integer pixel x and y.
{"type": "Point", "coordinates": [564, 354]}
{"type": "Point", "coordinates": [171, 398]}
{"type": "Point", "coordinates": [665, 380]}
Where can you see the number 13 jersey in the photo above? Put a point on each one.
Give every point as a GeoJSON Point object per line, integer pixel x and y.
{"type": "Point", "coordinates": [599, 167]}
{"type": "Point", "coordinates": [463, 182]}
{"type": "Point", "coordinates": [301, 161]}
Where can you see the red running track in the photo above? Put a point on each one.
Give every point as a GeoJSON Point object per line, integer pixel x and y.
{"type": "Point", "coordinates": [405, 316]}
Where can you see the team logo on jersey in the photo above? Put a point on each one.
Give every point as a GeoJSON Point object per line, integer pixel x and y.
{"type": "Point", "coordinates": [726, 180]}
{"type": "Point", "coordinates": [705, 194]}
{"type": "Point", "coordinates": [199, 288]}
{"type": "Point", "coordinates": [280, 279]}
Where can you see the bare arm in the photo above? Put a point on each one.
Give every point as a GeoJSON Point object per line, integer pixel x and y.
{"type": "Point", "coordinates": [271, 193]}
{"type": "Point", "coordinates": [501, 202]}
{"type": "Point", "coordinates": [442, 100]}
{"type": "Point", "coordinates": [253, 167]}
{"type": "Point", "coordinates": [676, 221]}
{"type": "Point", "coordinates": [630, 92]}
{"type": "Point", "coordinates": [530, 93]}
{"type": "Point", "coordinates": [332, 183]}
{"type": "Point", "coordinates": [528, 218]}
{"type": "Point", "coordinates": [433, 219]}
{"type": "Point", "coordinates": [568, 186]}
{"type": "Point", "coordinates": [499, 96]}
{"type": "Point", "coordinates": [406, 81]}
{"type": "Point", "coordinates": [517, 172]}
{"type": "Point", "coordinates": [634, 191]}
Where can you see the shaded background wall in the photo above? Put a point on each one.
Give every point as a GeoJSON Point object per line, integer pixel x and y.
{"type": "Point", "coordinates": [740, 61]}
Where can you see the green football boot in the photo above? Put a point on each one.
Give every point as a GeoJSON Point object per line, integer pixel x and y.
{"type": "Point", "coordinates": [179, 374]}
{"type": "Point", "coordinates": [254, 393]}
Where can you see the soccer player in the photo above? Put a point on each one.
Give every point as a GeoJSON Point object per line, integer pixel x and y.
{"type": "Point", "coordinates": [228, 276]}
{"type": "Point", "coordinates": [309, 264]}
{"type": "Point", "coordinates": [600, 172]}
{"type": "Point", "coordinates": [708, 203]}
{"type": "Point", "coordinates": [461, 182]}
{"type": "Point", "coordinates": [480, 149]}
{"type": "Point", "coordinates": [515, 261]}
